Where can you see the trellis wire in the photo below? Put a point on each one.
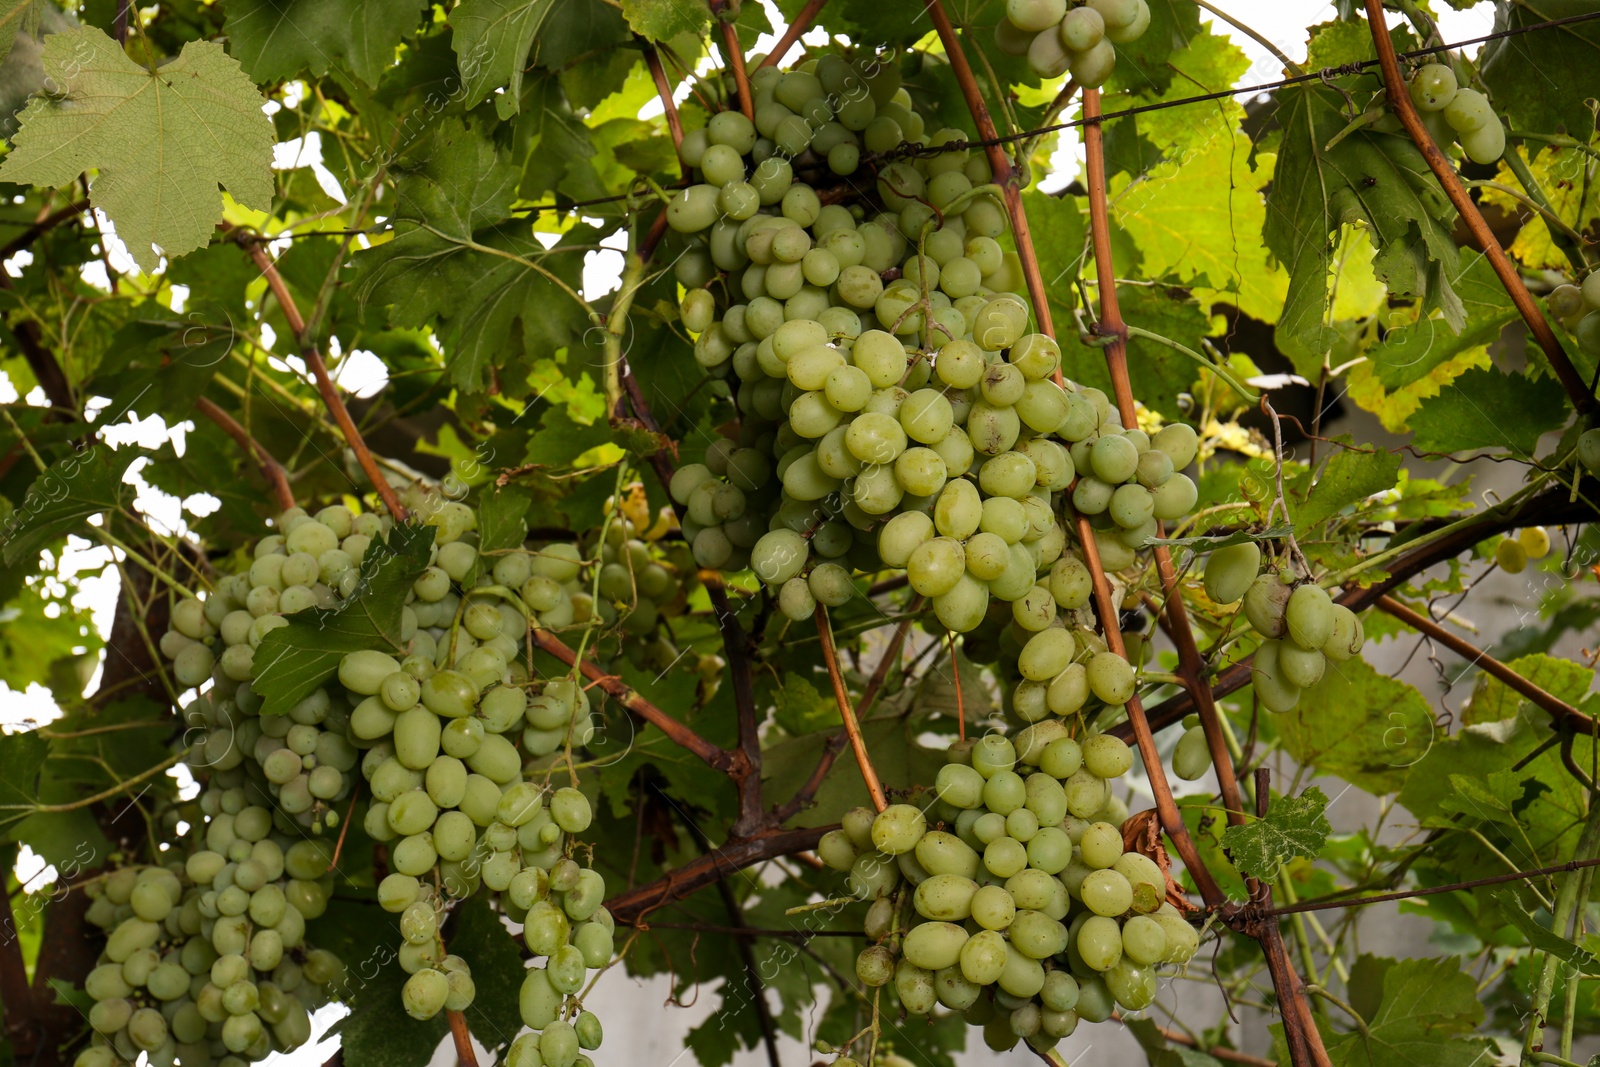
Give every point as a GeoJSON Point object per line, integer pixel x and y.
{"type": "Point", "coordinates": [1324, 74]}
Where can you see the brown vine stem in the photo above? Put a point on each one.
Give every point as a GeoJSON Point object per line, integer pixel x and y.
{"type": "Point", "coordinates": [1450, 181]}
{"type": "Point", "coordinates": [1565, 715]}
{"type": "Point", "coordinates": [632, 906]}
{"type": "Point", "coordinates": [319, 371]}
{"type": "Point", "coordinates": [1300, 1027]}
{"type": "Point", "coordinates": [1434, 890]}
{"type": "Point", "coordinates": [1004, 174]}
{"type": "Point", "coordinates": [652, 59]}
{"type": "Point", "coordinates": [465, 1053]}
{"type": "Point", "coordinates": [681, 735]}
{"type": "Point", "coordinates": [734, 52]}
{"type": "Point", "coordinates": [1166, 806]}
{"type": "Point", "coordinates": [1112, 326]}
{"type": "Point", "coordinates": [836, 743]}
{"type": "Point", "coordinates": [271, 469]}
{"type": "Point", "coordinates": [45, 224]}
{"type": "Point", "coordinates": [802, 22]}
{"type": "Point", "coordinates": [842, 696]}
{"type": "Point", "coordinates": [736, 642]}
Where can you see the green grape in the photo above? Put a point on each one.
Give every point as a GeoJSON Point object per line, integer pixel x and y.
{"type": "Point", "coordinates": [1106, 892]}
{"type": "Point", "coordinates": [897, 829]}
{"type": "Point", "coordinates": [1275, 691]}
{"type": "Point", "coordinates": [1099, 942]}
{"type": "Point", "coordinates": [1484, 145]}
{"type": "Point", "coordinates": [1265, 602]}
{"type": "Point", "coordinates": [934, 945]}
{"type": "Point", "coordinates": [1191, 759]}
{"type": "Point", "coordinates": [1347, 637]}
{"type": "Point", "coordinates": [983, 956]}
{"type": "Point", "coordinates": [1433, 86]}
{"type": "Point", "coordinates": [1299, 666]}
{"type": "Point", "coordinates": [1308, 616]}
{"type": "Point", "coordinates": [1101, 845]}
{"type": "Point", "coordinates": [1469, 111]}
{"type": "Point", "coordinates": [1230, 571]}
{"type": "Point", "coordinates": [1093, 66]}
{"type": "Point", "coordinates": [1111, 677]}
{"type": "Point", "coordinates": [959, 785]}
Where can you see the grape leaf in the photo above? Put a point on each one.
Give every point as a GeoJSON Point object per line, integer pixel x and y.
{"type": "Point", "coordinates": [1293, 828]}
{"type": "Point", "coordinates": [1194, 219]}
{"type": "Point", "coordinates": [1542, 937]}
{"type": "Point", "coordinates": [1487, 408]}
{"type": "Point", "coordinates": [490, 286]}
{"type": "Point", "coordinates": [657, 20]}
{"type": "Point", "coordinates": [17, 16]}
{"type": "Point", "coordinates": [162, 142]}
{"type": "Point", "coordinates": [1425, 1008]}
{"type": "Point", "coordinates": [1409, 352]}
{"type": "Point", "coordinates": [501, 522]}
{"type": "Point", "coordinates": [1334, 44]}
{"type": "Point", "coordinates": [293, 660]}
{"type": "Point", "coordinates": [277, 39]}
{"type": "Point", "coordinates": [1162, 1053]}
{"type": "Point", "coordinates": [22, 756]}
{"type": "Point", "coordinates": [73, 489]}
{"type": "Point", "coordinates": [1142, 64]}
{"type": "Point", "coordinates": [1373, 179]}
{"type": "Point", "coordinates": [1206, 542]}
{"type": "Point", "coordinates": [1346, 478]}
{"type": "Point", "coordinates": [1362, 726]}
{"type": "Point", "coordinates": [1518, 70]}
{"type": "Point", "coordinates": [1494, 701]}
{"type": "Point", "coordinates": [492, 38]}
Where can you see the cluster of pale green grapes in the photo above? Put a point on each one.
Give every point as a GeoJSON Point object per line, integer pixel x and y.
{"type": "Point", "coordinates": [1076, 40]}
{"type": "Point", "coordinates": [1300, 625]}
{"type": "Point", "coordinates": [1513, 553]}
{"type": "Point", "coordinates": [443, 730]}
{"type": "Point", "coordinates": [205, 960]}
{"type": "Point", "coordinates": [1454, 113]}
{"type": "Point", "coordinates": [1025, 913]}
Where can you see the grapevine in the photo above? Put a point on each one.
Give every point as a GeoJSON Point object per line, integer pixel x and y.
{"type": "Point", "coordinates": [871, 517]}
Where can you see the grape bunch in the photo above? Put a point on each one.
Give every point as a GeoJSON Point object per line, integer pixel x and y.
{"type": "Point", "coordinates": [1301, 627]}
{"type": "Point", "coordinates": [1454, 113]}
{"type": "Point", "coordinates": [445, 731]}
{"type": "Point", "coordinates": [1512, 554]}
{"type": "Point", "coordinates": [1076, 40]}
{"type": "Point", "coordinates": [205, 960]}
{"type": "Point", "coordinates": [1024, 911]}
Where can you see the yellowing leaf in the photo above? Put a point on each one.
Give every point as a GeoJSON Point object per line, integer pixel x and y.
{"type": "Point", "coordinates": [1560, 172]}
{"type": "Point", "coordinates": [1198, 220]}
{"type": "Point", "coordinates": [1394, 408]}
{"type": "Point", "coordinates": [162, 142]}
{"type": "Point", "coordinates": [1357, 292]}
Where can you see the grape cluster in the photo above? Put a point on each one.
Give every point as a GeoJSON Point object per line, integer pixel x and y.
{"type": "Point", "coordinates": [205, 960]}
{"type": "Point", "coordinates": [1513, 553]}
{"type": "Point", "coordinates": [1578, 308]}
{"type": "Point", "coordinates": [1302, 628]}
{"type": "Point", "coordinates": [1454, 113]}
{"type": "Point", "coordinates": [1026, 912]}
{"type": "Point", "coordinates": [1076, 40]}
{"type": "Point", "coordinates": [443, 730]}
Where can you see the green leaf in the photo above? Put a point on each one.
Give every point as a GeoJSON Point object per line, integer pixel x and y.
{"type": "Point", "coordinates": [1540, 936]}
{"type": "Point", "coordinates": [22, 756]}
{"type": "Point", "coordinates": [277, 39]}
{"type": "Point", "coordinates": [501, 521]}
{"type": "Point", "coordinates": [1195, 220]}
{"type": "Point", "coordinates": [1162, 1053]}
{"type": "Point", "coordinates": [492, 38]}
{"type": "Point", "coordinates": [657, 20]}
{"type": "Point", "coordinates": [162, 142]}
{"type": "Point", "coordinates": [802, 708]}
{"type": "Point", "coordinates": [1334, 44]}
{"type": "Point", "coordinates": [1542, 79]}
{"type": "Point", "coordinates": [1487, 408]}
{"type": "Point", "coordinates": [1409, 352]}
{"type": "Point", "coordinates": [73, 489]}
{"type": "Point", "coordinates": [1426, 1005]}
{"type": "Point", "coordinates": [31, 641]}
{"type": "Point", "coordinates": [1372, 179]}
{"type": "Point", "coordinates": [1142, 64]}
{"type": "Point", "coordinates": [1346, 478]}
{"type": "Point", "coordinates": [1359, 725]}
{"type": "Point", "coordinates": [1494, 701]}
{"type": "Point", "coordinates": [1293, 828]}
{"type": "Point", "coordinates": [293, 660]}
{"type": "Point", "coordinates": [18, 16]}
{"type": "Point", "coordinates": [1160, 375]}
